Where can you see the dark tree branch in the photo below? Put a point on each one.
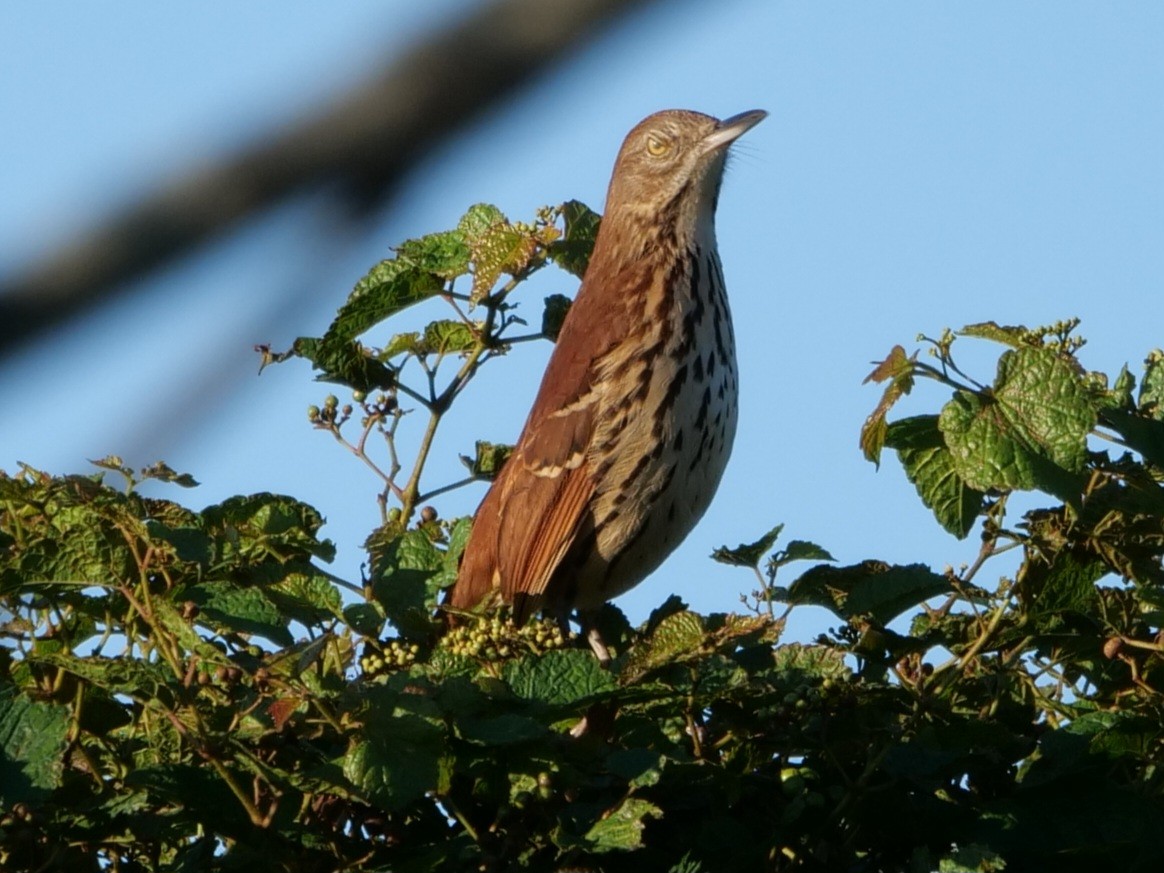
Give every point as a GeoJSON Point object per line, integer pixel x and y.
{"type": "Point", "coordinates": [363, 144]}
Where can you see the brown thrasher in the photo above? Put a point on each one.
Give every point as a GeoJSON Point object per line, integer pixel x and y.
{"type": "Point", "coordinates": [634, 420]}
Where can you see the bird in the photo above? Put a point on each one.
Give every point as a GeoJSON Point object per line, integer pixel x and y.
{"type": "Point", "coordinates": [633, 423]}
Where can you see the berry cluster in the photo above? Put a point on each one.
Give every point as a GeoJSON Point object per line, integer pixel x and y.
{"type": "Point", "coordinates": [492, 638]}
{"type": "Point", "coordinates": [389, 655]}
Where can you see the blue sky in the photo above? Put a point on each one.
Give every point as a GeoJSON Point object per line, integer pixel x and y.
{"type": "Point", "coordinates": [924, 165]}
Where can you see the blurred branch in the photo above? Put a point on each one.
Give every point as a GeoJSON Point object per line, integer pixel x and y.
{"type": "Point", "coordinates": [363, 143]}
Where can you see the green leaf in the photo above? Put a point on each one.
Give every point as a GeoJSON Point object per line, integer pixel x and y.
{"type": "Point", "coordinates": [800, 550]}
{"type": "Point", "coordinates": [399, 762]}
{"type": "Point", "coordinates": [1145, 435]}
{"type": "Point", "coordinates": [747, 554]}
{"type": "Point", "coordinates": [930, 467]}
{"type": "Point", "coordinates": [502, 248]}
{"type": "Point", "coordinates": [639, 767]}
{"type": "Point", "coordinates": [824, 662]}
{"type": "Point", "coordinates": [306, 595]}
{"type": "Point", "coordinates": [572, 251]}
{"type": "Point", "coordinates": [871, 588]}
{"type": "Point", "coordinates": [1011, 335]}
{"type": "Point", "coordinates": [345, 362]}
{"type": "Point", "coordinates": [488, 460]}
{"type": "Point", "coordinates": [266, 525]}
{"type": "Point", "coordinates": [559, 677]}
{"type": "Point", "coordinates": [506, 729]}
{"type": "Point", "coordinates": [557, 307]}
{"type": "Point", "coordinates": [1151, 399]}
{"type": "Point", "coordinates": [897, 367]}
{"type": "Point", "coordinates": [190, 543]}
{"type": "Point", "coordinates": [621, 829]}
{"type": "Point", "coordinates": [478, 221]}
{"type": "Point", "coordinates": [673, 604]}
{"type": "Point", "coordinates": [402, 343]}
{"type": "Point", "coordinates": [33, 740]}
{"type": "Point", "coordinates": [406, 583]}
{"type": "Point", "coordinates": [451, 559]}
{"type": "Point", "coordinates": [674, 637]}
{"type": "Point", "coordinates": [973, 858]}
{"type": "Point", "coordinates": [364, 618]}
{"type": "Point", "coordinates": [124, 675]}
{"type": "Point", "coordinates": [225, 606]}
{"type": "Point", "coordinates": [443, 254]}
{"type": "Point", "coordinates": [389, 287]}
{"type": "Point", "coordinates": [1067, 585]}
{"type": "Point", "coordinates": [495, 246]}
{"type": "Point", "coordinates": [448, 337]}
{"type": "Point", "coordinates": [1029, 432]}
{"type": "Point", "coordinates": [163, 472]}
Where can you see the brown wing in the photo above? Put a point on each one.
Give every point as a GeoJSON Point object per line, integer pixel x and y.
{"type": "Point", "coordinates": [537, 506]}
{"type": "Point", "coordinates": [533, 511]}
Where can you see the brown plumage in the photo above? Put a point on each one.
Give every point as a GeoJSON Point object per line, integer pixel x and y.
{"type": "Point", "coordinates": [635, 417]}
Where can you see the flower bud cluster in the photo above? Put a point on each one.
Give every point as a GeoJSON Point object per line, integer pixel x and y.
{"type": "Point", "coordinates": [387, 656]}
{"type": "Point", "coordinates": [493, 638]}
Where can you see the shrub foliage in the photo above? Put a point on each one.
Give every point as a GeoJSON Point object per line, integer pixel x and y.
{"type": "Point", "coordinates": [190, 690]}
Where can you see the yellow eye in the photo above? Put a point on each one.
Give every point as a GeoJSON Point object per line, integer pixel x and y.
{"type": "Point", "coordinates": [657, 147]}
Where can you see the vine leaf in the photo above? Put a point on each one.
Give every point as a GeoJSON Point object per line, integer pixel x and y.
{"type": "Point", "coordinates": [33, 739]}
{"type": "Point", "coordinates": [748, 554]}
{"type": "Point", "coordinates": [1030, 431]}
{"type": "Point", "coordinates": [872, 588]}
{"type": "Point", "coordinates": [572, 251]}
{"type": "Point", "coordinates": [898, 368]}
{"type": "Point", "coordinates": [930, 467]}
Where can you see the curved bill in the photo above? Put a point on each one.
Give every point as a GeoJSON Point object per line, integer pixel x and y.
{"type": "Point", "coordinates": [731, 129]}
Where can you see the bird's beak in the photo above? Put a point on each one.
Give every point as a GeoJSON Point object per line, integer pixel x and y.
{"type": "Point", "coordinates": [731, 129]}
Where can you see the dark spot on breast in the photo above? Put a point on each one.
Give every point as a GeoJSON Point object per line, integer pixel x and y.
{"type": "Point", "coordinates": [704, 404]}
{"type": "Point", "coordinates": [673, 390]}
{"type": "Point", "coordinates": [698, 453]}
{"type": "Point", "coordinates": [635, 473]}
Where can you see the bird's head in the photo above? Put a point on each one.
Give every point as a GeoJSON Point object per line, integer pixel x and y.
{"type": "Point", "coordinates": [670, 167]}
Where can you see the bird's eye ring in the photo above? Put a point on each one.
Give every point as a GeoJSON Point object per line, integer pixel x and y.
{"type": "Point", "coordinates": [657, 147]}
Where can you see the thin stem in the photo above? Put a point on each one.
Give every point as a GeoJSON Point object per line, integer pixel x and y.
{"type": "Point", "coordinates": [932, 372]}
{"type": "Point", "coordinates": [358, 450]}
{"type": "Point", "coordinates": [447, 803]}
{"type": "Point", "coordinates": [452, 299]}
{"type": "Point", "coordinates": [414, 395]}
{"type": "Point", "coordinates": [445, 489]}
{"type": "Point", "coordinates": [409, 495]}
{"type": "Point", "coordinates": [524, 338]}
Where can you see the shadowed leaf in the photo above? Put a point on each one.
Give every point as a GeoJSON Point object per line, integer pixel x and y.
{"type": "Point", "coordinates": [748, 554]}
{"type": "Point", "coordinates": [572, 251]}
{"type": "Point", "coordinates": [621, 829]}
{"type": "Point", "coordinates": [930, 467]}
{"type": "Point", "coordinates": [33, 739]}
{"type": "Point", "coordinates": [873, 588]}
{"type": "Point", "coordinates": [557, 306]}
